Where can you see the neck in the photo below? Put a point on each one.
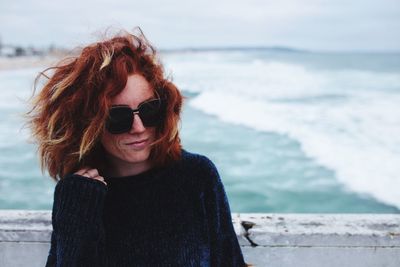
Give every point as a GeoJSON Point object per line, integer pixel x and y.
{"type": "Point", "coordinates": [119, 168]}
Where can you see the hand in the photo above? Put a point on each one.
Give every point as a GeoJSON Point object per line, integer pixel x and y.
{"type": "Point", "coordinates": [91, 173]}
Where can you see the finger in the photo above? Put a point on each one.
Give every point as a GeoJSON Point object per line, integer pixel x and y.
{"type": "Point", "coordinates": [92, 173]}
{"type": "Point", "coordinates": [101, 179]}
{"type": "Point", "coordinates": [82, 171]}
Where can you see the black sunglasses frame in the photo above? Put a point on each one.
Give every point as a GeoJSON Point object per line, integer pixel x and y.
{"type": "Point", "coordinates": [123, 126]}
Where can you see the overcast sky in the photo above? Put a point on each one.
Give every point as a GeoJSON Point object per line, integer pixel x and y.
{"type": "Point", "coordinates": [323, 25]}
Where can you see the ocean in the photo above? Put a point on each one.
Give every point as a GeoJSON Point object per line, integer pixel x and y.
{"type": "Point", "coordinates": [289, 131]}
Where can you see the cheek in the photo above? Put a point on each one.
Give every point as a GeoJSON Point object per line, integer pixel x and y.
{"type": "Point", "coordinates": [152, 132]}
{"type": "Point", "coordinates": [110, 143]}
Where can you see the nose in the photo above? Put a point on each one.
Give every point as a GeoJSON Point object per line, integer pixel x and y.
{"type": "Point", "coordinates": [137, 124]}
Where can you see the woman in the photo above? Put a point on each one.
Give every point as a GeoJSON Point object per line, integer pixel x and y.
{"type": "Point", "coordinates": [127, 194]}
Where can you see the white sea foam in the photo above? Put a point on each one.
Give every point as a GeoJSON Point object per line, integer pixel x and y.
{"type": "Point", "coordinates": [347, 120]}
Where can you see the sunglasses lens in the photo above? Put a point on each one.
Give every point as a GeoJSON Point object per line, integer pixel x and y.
{"type": "Point", "coordinates": [150, 112]}
{"type": "Point", "coordinates": [119, 120]}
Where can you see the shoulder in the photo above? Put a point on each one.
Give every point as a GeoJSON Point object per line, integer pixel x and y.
{"type": "Point", "coordinates": [197, 161]}
{"type": "Point", "coordinates": [201, 168]}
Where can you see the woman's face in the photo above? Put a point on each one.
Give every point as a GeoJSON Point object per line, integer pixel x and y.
{"type": "Point", "coordinates": [129, 152]}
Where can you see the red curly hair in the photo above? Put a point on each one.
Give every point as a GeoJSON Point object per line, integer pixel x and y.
{"type": "Point", "coordinates": [68, 115]}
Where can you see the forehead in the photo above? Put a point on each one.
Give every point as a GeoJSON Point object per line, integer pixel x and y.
{"type": "Point", "coordinates": [137, 90]}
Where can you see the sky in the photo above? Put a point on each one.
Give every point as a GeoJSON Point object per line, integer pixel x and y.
{"type": "Point", "coordinates": [316, 25]}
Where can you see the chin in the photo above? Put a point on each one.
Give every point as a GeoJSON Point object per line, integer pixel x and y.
{"type": "Point", "coordinates": [137, 156]}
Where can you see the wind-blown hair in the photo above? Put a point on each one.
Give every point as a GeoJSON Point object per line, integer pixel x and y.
{"type": "Point", "coordinates": [68, 115]}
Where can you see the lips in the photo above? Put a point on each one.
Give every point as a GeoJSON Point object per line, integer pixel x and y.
{"type": "Point", "coordinates": [140, 144]}
{"type": "Point", "coordinates": [137, 142]}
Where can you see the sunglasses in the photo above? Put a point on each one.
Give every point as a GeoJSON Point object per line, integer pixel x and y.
{"type": "Point", "coordinates": [120, 118]}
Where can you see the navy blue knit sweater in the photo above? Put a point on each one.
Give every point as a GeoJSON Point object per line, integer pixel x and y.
{"type": "Point", "coordinates": [173, 216]}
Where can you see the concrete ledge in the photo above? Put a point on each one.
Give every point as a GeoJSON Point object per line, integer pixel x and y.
{"type": "Point", "coordinates": [356, 240]}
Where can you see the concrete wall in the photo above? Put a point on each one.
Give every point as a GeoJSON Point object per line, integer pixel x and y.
{"type": "Point", "coordinates": [320, 240]}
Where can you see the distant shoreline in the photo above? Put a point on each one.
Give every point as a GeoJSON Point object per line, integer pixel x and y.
{"type": "Point", "coordinates": [13, 63]}
{"type": "Point", "coordinates": [51, 59]}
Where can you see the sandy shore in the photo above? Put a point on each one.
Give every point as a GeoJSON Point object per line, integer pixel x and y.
{"type": "Point", "coordinates": [7, 63]}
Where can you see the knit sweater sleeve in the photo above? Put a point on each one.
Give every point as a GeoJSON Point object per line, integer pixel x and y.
{"type": "Point", "coordinates": [78, 231]}
{"type": "Point", "coordinates": [225, 249]}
